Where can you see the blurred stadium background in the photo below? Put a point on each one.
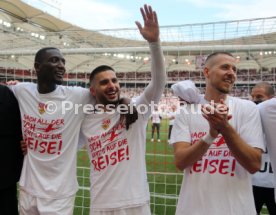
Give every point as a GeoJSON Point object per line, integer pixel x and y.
{"type": "Point", "coordinates": [25, 29]}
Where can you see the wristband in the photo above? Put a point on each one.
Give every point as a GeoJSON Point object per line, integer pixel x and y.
{"type": "Point", "coordinates": [208, 139]}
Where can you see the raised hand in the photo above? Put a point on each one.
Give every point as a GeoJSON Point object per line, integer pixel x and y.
{"type": "Point", "coordinates": [150, 31]}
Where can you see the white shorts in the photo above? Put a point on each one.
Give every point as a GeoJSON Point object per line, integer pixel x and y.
{"type": "Point", "coordinates": [139, 210]}
{"type": "Point", "coordinates": [31, 205]}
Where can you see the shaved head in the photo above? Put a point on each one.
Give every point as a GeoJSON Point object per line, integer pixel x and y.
{"type": "Point", "coordinates": [269, 90]}
{"type": "Point", "coordinates": [210, 59]}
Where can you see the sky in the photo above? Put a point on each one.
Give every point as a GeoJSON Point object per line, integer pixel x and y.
{"type": "Point", "coordinates": [111, 14]}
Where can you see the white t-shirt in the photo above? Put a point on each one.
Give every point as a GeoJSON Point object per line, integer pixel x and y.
{"type": "Point", "coordinates": [118, 170]}
{"type": "Point", "coordinates": [171, 114]}
{"type": "Point", "coordinates": [268, 116]}
{"type": "Point", "coordinates": [49, 169]}
{"type": "Point", "coordinates": [155, 117]}
{"type": "Point", "coordinates": [264, 177]}
{"type": "Point", "coordinates": [217, 184]}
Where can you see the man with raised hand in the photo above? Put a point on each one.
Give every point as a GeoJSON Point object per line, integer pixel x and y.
{"type": "Point", "coordinates": [218, 151]}
{"type": "Point", "coordinates": [117, 156]}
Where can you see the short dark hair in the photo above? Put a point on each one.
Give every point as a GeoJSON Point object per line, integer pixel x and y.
{"type": "Point", "coordinates": [41, 52]}
{"type": "Point", "coordinates": [99, 69]}
{"type": "Point", "coordinates": [216, 54]}
{"type": "Point", "coordinates": [269, 90]}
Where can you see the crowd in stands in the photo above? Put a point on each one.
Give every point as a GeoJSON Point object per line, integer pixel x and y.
{"type": "Point", "coordinates": [243, 75]}
{"type": "Point", "coordinates": [245, 80]}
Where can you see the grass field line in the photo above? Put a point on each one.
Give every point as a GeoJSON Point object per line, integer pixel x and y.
{"type": "Point", "coordinates": [83, 167]}
{"type": "Point", "coordinates": [164, 196]}
{"type": "Point", "coordinates": [84, 188]}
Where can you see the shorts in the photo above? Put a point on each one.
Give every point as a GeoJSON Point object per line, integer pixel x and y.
{"type": "Point", "coordinates": [32, 205]}
{"type": "Point", "coordinates": [139, 210]}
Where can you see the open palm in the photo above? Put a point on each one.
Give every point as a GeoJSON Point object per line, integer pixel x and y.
{"type": "Point", "coordinates": [150, 31]}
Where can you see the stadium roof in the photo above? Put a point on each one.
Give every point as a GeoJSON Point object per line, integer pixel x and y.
{"type": "Point", "coordinates": [24, 29]}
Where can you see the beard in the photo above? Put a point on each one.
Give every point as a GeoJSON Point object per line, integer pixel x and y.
{"type": "Point", "coordinates": [105, 101]}
{"type": "Point", "coordinates": [224, 91]}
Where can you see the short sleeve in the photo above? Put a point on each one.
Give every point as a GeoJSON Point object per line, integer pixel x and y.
{"type": "Point", "coordinates": [180, 130]}
{"type": "Point", "coordinates": [251, 128]}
